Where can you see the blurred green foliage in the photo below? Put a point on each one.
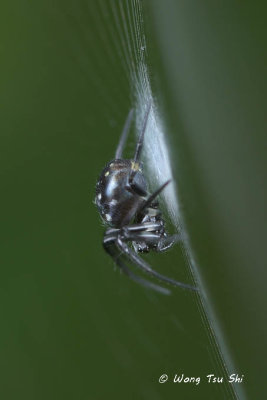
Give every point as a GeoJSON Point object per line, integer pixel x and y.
{"type": "Point", "coordinates": [71, 326]}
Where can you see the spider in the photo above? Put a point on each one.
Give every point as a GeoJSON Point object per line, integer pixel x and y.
{"type": "Point", "coordinates": [133, 214]}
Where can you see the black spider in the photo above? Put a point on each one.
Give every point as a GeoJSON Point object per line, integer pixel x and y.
{"type": "Point", "coordinates": [124, 203]}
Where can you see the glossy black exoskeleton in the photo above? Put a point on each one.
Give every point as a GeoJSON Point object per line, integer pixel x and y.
{"type": "Point", "coordinates": [132, 213]}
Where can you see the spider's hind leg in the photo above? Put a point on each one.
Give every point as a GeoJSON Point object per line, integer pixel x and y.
{"type": "Point", "coordinates": [139, 262]}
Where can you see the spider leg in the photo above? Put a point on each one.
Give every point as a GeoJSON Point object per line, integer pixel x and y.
{"type": "Point", "coordinates": [141, 281]}
{"type": "Point", "coordinates": [146, 267]}
{"type": "Point", "coordinates": [162, 243]}
{"type": "Point", "coordinates": [140, 142]}
{"type": "Point", "coordinates": [146, 226]}
{"type": "Point", "coordinates": [109, 246]}
{"type": "Point", "coordinates": [147, 233]}
{"type": "Point", "coordinates": [124, 135]}
{"type": "Point", "coordinates": [151, 198]}
{"type": "Point", "coordinates": [128, 229]}
{"type": "Point", "coordinates": [167, 242]}
{"type": "Point", "coordinates": [138, 150]}
{"type": "Point", "coordinates": [137, 188]}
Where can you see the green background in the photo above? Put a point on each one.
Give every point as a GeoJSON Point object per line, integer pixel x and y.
{"type": "Point", "coordinates": [72, 326]}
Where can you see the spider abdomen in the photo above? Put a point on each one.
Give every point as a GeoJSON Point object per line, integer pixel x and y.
{"type": "Point", "coordinates": [116, 201]}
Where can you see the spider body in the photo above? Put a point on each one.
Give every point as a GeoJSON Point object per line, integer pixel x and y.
{"type": "Point", "coordinates": [124, 203]}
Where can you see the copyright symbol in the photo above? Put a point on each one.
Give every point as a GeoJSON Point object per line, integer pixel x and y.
{"type": "Point", "coordinates": [163, 378]}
